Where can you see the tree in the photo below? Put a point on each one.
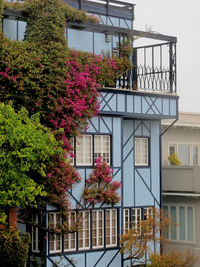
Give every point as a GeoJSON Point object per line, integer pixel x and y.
{"type": "Point", "coordinates": [173, 259]}
{"type": "Point", "coordinates": [26, 149]}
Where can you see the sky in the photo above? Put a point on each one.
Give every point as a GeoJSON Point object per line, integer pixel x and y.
{"type": "Point", "coordinates": [181, 19]}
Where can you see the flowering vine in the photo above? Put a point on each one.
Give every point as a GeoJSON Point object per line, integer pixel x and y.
{"type": "Point", "coordinates": [100, 187]}
{"type": "Point", "coordinates": [44, 75]}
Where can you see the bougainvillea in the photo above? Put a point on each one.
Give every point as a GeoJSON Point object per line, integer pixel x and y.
{"type": "Point", "coordinates": [100, 187]}
{"type": "Point", "coordinates": [45, 76]}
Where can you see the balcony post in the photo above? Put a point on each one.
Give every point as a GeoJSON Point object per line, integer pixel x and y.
{"type": "Point", "coordinates": [134, 70]}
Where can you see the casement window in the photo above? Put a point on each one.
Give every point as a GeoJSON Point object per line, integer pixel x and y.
{"type": "Point", "coordinates": [70, 238]}
{"type": "Point", "coordinates": [14, 29]}
{"type": "Point", "coordinates": [188, 154]}
{"type": "Point", "coordinates": [84, 232]}
{"type": "Point", "coordinates": [182, 228]}
{"type": "Point", "coordinates": [97, 228]}
{"type": "Point", "coordinates": [126, 220]}
{"type": "Point", "coordinates": [141, 151]}
{"type": "Point", "coordinates": [136, 217]}
{"type": "Point", "coordinates": [99, 225]}
{"type": "Point", "coordinates": [102, 147]}
{"type": "Point", "coordinates": [111, 227]}
{"type": "Point", "coordinates": [35, 235]}
{"type": "Point", "coordinates": [84, 150]}
{"type": "Point", "coordinates": [55, 240]}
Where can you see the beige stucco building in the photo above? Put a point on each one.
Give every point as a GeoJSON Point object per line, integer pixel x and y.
{"type": "Point", "coordinates": [181, 184]}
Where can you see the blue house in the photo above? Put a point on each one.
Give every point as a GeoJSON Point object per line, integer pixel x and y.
{"type": "Point", "coordinates": [126, 132]}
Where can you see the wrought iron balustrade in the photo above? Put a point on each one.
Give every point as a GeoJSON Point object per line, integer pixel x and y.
{"type": "Point", "coordinates": [154, 69]}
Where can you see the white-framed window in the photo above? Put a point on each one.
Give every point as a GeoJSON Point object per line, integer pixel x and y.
{"type": "Point", "coordinates": [84, 150]}
{"type": "Point", "coordinates": [102, 147]}
{"type": "Point", "coordinates": [126, 220]}
{"type": "Point", "coordinates": [111, 227]}
{"type": "Point", "coordinates": [84, 232]}
{"type": "Point", "coordinates": [183, 219]}
{"type": "Point", "coordinates": [134, 221]}
{"type": "Point", "coordinates": [70, 238]}
{"type": "Point", "coordinates": [55, 240]}
{"type": "Point", "coordinates": [136, 217]}
{"type": "Point", "coordinates": [35, 240]}
{"type": "Point", "coordinates": [188, 154]}
{"type": "Point", "coordinates": [97, 228]}
{"type": "Point", "coordinates": [141, 151]}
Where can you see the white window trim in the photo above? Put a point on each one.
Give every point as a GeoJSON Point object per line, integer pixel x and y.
{"type": "Point", "coordinates": [186, 206]}
{"type": "Point", "coordinates": [102, 147]}
{"type": "Point", "coordinates": [111, 226]}
{"type": "Point", "coordinates": [83, 229]}
{"type": "Point", "coordinates": [36, 235]}
{"type": "Point", "coordinates": [143, 163]}
{"type": "Point", "coordinates": [60, 236]}
{"type": "Point", "coordinates": [69, 234]}
{"type": "Point", "coordinates": [97, 228]}
{"type": "Point", "coordinates": [91, 151]}
{"type": "Point", "coordinates": [191, 144]}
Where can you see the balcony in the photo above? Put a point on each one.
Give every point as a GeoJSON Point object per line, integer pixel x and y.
{"type": "Point", "coordinates": [154, 65]}
{"type": "Point", "coordinates": [181, 180]}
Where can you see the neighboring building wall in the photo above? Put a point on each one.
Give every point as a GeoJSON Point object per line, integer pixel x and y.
{"type": "Point", "coordinates": [181, 184]}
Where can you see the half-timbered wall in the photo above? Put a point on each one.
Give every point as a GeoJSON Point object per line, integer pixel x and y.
{"type": "Point", "coordinates": [140, 185]}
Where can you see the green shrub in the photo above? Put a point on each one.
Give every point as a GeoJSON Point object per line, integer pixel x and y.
{"type": "Point", "coordinates": [14, 248]}
{"type": "Point", "coordinates": [173, 159]}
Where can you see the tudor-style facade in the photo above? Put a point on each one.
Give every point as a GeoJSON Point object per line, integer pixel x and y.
{"type": "Point", "coordinates": [126, 133]}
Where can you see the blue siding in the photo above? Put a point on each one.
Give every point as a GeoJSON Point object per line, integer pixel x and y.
{"type": "Point", "coordinates": [141, 185]}
{"type": "Point", "coordinates": [155, 158]}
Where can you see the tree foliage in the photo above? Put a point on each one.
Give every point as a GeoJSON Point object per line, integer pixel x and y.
{"type": "Point", "coordinates": [14, 248]}
{"type": "Point", "coordinates": [173, 259]}
{"type": "Point", "coordinates": [26, 149]}
{"type": "Point", "coordinates": [141, 238]}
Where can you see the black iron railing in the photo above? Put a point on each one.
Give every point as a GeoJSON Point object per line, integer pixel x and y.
{"type": "Point", "coordinates": [154, 69]}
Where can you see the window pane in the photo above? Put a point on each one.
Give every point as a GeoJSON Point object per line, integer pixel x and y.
{"type": "Point", "coordinates": [21, 30]}
{"type": "Point", "coordinates": [84, 150]}
{"type": "Point", "coordinates": [195, 155]}
{"type": "Point", "coordinates": [190, 224]}
{"type": "Point", "coordinates": [172, 149]}
{"type": "Point", "coordinates": [184, 154]}
{"type": "Point", "coordinates": [141, 151]}
{"type": "Point", "coordinates": [173, 227]}
{"type": "Point", "coordinates": [102, 147]}
{"type": "Point", "coordinates": [10, 28]}
{"type": "Point", "coordinates": [182, 223]}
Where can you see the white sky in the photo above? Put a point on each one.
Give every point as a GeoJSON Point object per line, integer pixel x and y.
{"type": "Point", "coordinates": [181, 19]}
